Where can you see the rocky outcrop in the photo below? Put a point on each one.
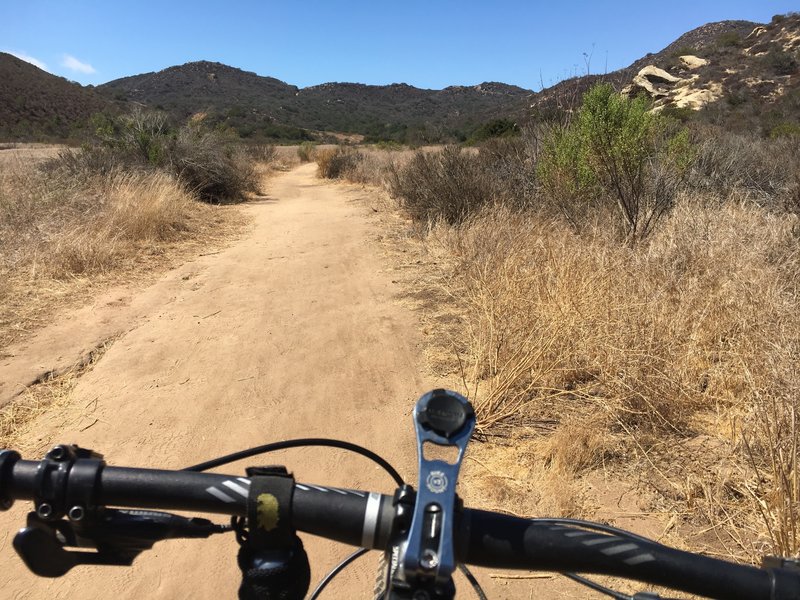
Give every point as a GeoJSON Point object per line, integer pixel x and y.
{"type": "Point", "coordinates": [692, 62]}
{"type": "Point", "coordinates": [667, 89]}
{"type": "Point", "coordinates": [655, 82]}
{"type": "Point", "coordinates": [697, 97]}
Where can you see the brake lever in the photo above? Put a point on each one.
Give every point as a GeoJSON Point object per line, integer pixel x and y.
{"type": "Point", "coordinates": [444, 418]}
{"type": "Point", "coordinates": [117, 536]}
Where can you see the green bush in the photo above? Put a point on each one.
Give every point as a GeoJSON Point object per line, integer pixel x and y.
{"type": "Point", "coordinates": [781, 62]}
{"type": "Point", "coordinates": [305, 151]}
{"type": "Point", "coordinates": [208, 162]}
{"type": "Point", "coordinates": [497, 128]}
{"type": "Point", "coordinates": [684, 51]}
{"type": "Point", "coordinates": [785, 129]}
{"type": "Point", "coordinates": [737, 97]}
{"type": "Point", "coordinates": [729, 39]}
{"type": "Point", "coordinates": [140, 135]}
{"type": "Point", "coordinates": [682, 114]}
{"type": "Point", "coordinates": [616, 156]}
{"type": "Point", "coordinates": [389, 146]}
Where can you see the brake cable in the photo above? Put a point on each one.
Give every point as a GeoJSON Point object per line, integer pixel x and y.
{"type": "Point", "coordinates": [300, 443]}
{"type": "Point", "coordinates": [331, 443]}
{"type": "Point", "coordinates": [237, 524]}
{"type": "Point", "coordinates": [335, 571]}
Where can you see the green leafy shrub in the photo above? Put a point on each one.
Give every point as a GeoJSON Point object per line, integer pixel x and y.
{"type": "Point", "coordinates": [781, 62]}
{"type": "Point", "coordinates": [785, 129]}
{"type": "Point", "coordinates": [684, 51]}
{"type": "Point", "coordinates": [729, 39]}
{"type": "Point", "coordinates": [682, 113]}
{"type": "Point", "coordinates": [388, 146]}
{"type": "Point", "coordinates": [737, 97]}
{"type": "Point", "coordinates": [497, 128]}
{"type": "Point", "coordinates": [616, 157]}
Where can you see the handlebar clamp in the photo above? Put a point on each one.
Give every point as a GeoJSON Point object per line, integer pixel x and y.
{"type": "Point", "coordinates": [64, 477]}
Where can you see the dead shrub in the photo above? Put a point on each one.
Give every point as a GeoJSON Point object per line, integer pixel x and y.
{"type": "Point", "coordinates": [511, 164]}
{"type": "Point", "coordinates": [338, 163]}
{"type": "Point", "coordinates": [761, 170]}
{"type": "Point", "coordinates": [448, 185]}
{"type": "Point", "coordinates": [578, 446]}
{"type": "Point", "coordinates": [215, 171]}
{"type": "Point", "coordinates": [263, 153]}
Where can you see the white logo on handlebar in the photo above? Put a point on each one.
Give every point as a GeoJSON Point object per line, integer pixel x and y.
{"type": "Point", "coordinates": [436, 482]}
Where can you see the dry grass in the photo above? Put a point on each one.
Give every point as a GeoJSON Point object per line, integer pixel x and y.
{"type": "Point", "coordinates": [337, 163]}
{"type": "Point", "coordinates": [63, 236]}
{"type": "Point", "coordinates": [375, 165]}
{"type": "Point", "coordinates": [52, 392]}
{"type": "Point", "coordinates": [670, 364]}
{"type": "Point", "coordinates": [634, 352]}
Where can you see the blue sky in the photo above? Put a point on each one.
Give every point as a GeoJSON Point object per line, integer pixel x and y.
{"type": "Point", "coordinates": [429, 44]}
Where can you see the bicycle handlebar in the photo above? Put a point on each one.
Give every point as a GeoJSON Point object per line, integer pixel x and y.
{"type": "Point", "coordinates": [360, 518]}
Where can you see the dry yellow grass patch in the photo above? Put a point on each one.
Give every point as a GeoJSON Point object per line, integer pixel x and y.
{"type": "Point", "coordinates": [62, 236]}
{"type": "Point", "coordinates": [631, 355]}
{"type": "Point", "coordinates": [53, 392]}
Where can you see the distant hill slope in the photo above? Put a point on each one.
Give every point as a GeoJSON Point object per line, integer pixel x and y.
{"type": "Point", "coordinates": [739, 74]}
{"type": "Point", "coordinates": [34, 103]}
{"type": "Point", "coordinates": [567, 93]}
{"type": "Point", "coordinates": [253, 104]}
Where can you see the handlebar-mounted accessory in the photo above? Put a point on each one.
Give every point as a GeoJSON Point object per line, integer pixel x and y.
{"type": "Point", "coordinates": [66, 517]}
{"type": "Point", "coordinates": [272, 559]}
{"type": "Point", "coordinates": [447, 419]}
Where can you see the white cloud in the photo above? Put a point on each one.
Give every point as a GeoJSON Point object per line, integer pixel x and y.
{"type": "Point", "coordinates": [29, 59]}
{"type": "Point", "coordinates": [73, 64]}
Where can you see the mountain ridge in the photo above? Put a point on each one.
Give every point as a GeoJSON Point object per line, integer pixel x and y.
{"type": "Point", "coordinates": [349, 107]}
{"type": "Point", "coordinates": [737, 78]}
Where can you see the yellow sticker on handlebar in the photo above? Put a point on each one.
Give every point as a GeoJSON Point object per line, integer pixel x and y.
{"type": "Point", "coordinates": [267, 511]}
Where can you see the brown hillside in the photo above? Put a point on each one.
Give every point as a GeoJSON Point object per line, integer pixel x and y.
{"type": "Point", "coordinates": [36, 104]}
{"type": "Point", "coordinates": [255, 105]}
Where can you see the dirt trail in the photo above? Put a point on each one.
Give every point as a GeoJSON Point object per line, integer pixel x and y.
{"type": "Point", "coordinates": [291, 332]}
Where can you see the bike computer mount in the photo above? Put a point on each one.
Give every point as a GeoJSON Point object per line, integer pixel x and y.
{"type": "Point", "coordinates": [444, 418]}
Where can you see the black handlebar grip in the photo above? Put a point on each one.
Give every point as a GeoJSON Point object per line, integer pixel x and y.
{"type": "Point", "coordinates": [8, 458]}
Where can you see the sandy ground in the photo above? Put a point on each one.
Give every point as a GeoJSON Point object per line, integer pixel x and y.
{"type": "Point", "coordinates": [295, 330]}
